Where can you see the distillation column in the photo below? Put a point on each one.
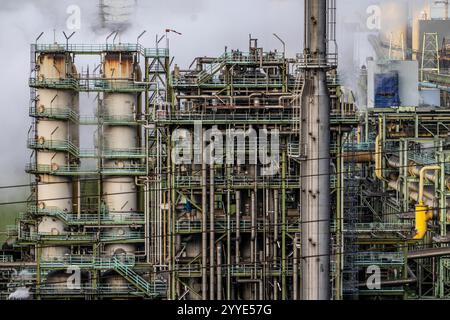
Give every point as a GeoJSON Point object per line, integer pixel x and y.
{"type": "Point", "coordinates": [315, 135]}
{"type": "Point", "coordinates": [119, 142]}
{"type": "Point", "coordinates": [54, 139]}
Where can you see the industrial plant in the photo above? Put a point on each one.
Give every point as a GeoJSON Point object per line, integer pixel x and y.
{"type": "Point", "coordinates": [250, 175]}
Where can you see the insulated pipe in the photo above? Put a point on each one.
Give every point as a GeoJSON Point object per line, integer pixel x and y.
{"type": "Point", "coordinates": [204, 222]}
{"type": "Point", "coordinates": [212, 229]}
{"type": "Point", "coordinates": [414, 170]}
{"type": "Point", "coordinates": [295, 272]}
{"type": "Point", "coordinates": [275, 238]}
{"type": "Point", "coordinates": [238, 226]}
{"type": "Point", "coordinates": [219, 271]}
{"type": "Point", "coordinates": [378, 158]}
{"type": "Point", "coordinates": [423, 212]}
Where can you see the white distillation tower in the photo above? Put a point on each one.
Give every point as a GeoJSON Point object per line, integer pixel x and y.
{"type": "Point", "coordinates": [119, 140]}
{"type": "Point", "coordinates": [53, 136]}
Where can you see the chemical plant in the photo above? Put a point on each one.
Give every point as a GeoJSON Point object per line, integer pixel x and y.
{"type": "Point", "coordinates": [348, 199]}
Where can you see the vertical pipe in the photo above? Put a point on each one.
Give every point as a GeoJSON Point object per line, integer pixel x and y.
{"type": "Point", "coordinates": [283, 227]}
{"type": "Point", "coordinates": [219, 271]}
{"type": "Point", "coordinates": [238, 227]}
{"type": "Point", "coordinates": [212, 230]}
{"type": "Point", "coordinates": [275, 240]}
{"type": "Point", "coordinates": [204, 221]}
{"type": "Point", "coordinates": [295, 271]}
{"type": "Point", "coordinates": [229, 232]}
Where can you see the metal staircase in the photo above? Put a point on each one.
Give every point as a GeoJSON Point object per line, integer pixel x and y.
{"type": "Point", "coordinates": [149, 289]}
{"type": "Point", "coordinates": [212, 69]}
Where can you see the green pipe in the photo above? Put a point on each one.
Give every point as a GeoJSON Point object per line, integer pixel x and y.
{"type": "Point", "coordinates": [283, 227]}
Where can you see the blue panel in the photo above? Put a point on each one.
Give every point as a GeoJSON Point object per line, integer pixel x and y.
{"type": "Point", "coordinates": [386, 90]}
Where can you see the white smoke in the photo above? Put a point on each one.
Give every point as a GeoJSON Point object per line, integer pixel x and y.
{"type": "Point", "coordinates": [21, 293]}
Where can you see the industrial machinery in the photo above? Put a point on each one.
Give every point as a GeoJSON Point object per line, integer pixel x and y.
{"type": "Point", "coordinates": [249, 175]}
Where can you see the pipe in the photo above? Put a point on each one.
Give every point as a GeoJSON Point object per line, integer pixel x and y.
{"type": "Point", "coordinates": [275, 238]}
{"type": "Point", "coordinates": [212, 229]}
{"type": "Point", "coordinates": [259, 282]}
{"type": "Point", "coordinates": [238, 226]}
{"type": "Point", "coordinates": [295, 272]}
{"type": "Point", "coordinates": [219, 271]}
{"type": "Point", "coordinates": [423, 212]}
{"type": "Point", "coordinates": [204, 222]}
{"type": "Point", "coordinates": [378, 158]}
{"type": "Point", "coordinates": [429, 253]}
{"type": "Point", "coordinates": [414, 170]}
{"type": "Point", "coordinates": [412, 279]}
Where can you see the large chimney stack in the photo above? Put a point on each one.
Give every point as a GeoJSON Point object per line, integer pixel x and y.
{"type": "Point", "coordinates": [315, 136]}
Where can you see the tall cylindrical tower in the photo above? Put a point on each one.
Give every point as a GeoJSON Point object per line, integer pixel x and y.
{"type": "Point", "coordinates": [315, 136]}
{"type": "Point", "coordinates": [120, 142]}
{"type": "Point", "coordinates": [55, 140]}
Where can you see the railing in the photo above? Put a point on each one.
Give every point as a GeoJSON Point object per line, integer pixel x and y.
{"type": "Point", "coordinates": [83, 237]}
{"type": "Point", "coordinates": [380, 227]}
{"type": "Point", "coordinates": [329, 60]}
{"type": "Point", "coordinates": [379, 258]}
{"type": "Point", "coordinates": [6, 258]}
{"type": "Point", "coordinates": [108, 119]}
{"type": "Point", "coordinates": [103, 218]}
{"type": "Point", "coordinates": [87, 85]}
{"type": "Point", "coordinates": [86, 261]}
{"type": "Point", "coordinates": [220, 225]}
{"type": "Point", "coordinates": [101, 48]}
{"type": "Point", "coordinates": [189, 181]}
{"type": "Point", "coordinates": [68, 170]}
{"type": "Point", "coordinates": [55, 113]}
{"type": "Point", "coordinates": [57, 145]}
{"type": "Point", "coordinates": [158, 288]}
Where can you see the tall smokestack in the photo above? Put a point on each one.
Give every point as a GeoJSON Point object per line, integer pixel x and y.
{"type": "Point", "coordinates": [315, 199]}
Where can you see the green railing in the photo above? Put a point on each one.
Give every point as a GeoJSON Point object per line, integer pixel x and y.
{"type": "Point", "coordinates": [76, 170]}
{"type": "Point", "coordinates": [82, 237]}
{"type": "Point", "coordinates": [6, 258]}
{"type": "Point", "coordinates": [59, 113]}
{"type": "Point", "coordinates": [149, 289]}
{"type": "Point", "coordinates": [379, 258]}
{"type": "Point", "coordinates": [90, 219]}
{"type": "Point", "coordinates": [88, 85]}
{"type": "Point", "coordinates": [86, 261]}
{"type": "Point", "coordinates": [379, 227]}
{"type": "Point", "coordinates": [57, 145]}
